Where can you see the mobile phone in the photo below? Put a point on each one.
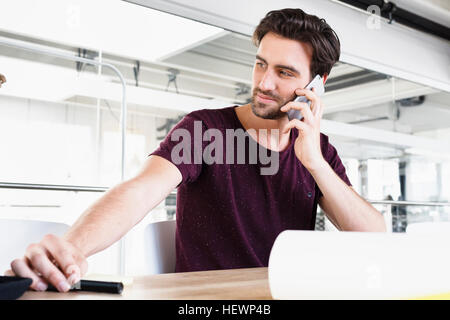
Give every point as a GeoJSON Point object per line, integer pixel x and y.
{"type": "Point", "coordinates": [317, 84]}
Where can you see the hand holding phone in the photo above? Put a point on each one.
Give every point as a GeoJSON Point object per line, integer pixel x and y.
{"type": "Point", "coordinates": [317, 84]}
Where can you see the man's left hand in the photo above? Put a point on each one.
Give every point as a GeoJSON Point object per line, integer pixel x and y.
{"type": "Point", "coordinates": [307, 145]}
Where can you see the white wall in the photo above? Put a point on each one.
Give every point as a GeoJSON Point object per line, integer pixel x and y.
{"type": "Point", "coordinates": [54, 143]}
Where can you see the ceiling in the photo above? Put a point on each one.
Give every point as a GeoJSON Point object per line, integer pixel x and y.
{"type": "Point", "coordinates": [435, 10]}
{"type": "Point", "coordinates": [220, 70]}
{"type": "Point", "coordinates": [353, 94]}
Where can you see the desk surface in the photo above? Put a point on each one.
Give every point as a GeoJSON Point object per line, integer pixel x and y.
{"type": "Point", "coordinates": [251, 283]}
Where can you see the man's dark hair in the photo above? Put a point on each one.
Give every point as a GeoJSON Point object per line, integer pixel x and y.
{"type": "Point", "coordinates": [295, 24]}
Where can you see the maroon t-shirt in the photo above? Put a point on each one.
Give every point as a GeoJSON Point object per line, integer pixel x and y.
{"type": "Point", "coordinates": [228, 215]}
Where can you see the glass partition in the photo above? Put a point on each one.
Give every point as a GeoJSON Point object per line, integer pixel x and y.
{"type": "Point", "coordinates": [403, 216]}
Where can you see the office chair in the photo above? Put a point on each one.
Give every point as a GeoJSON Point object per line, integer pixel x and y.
{"type": "Point", "coordinates": [159, 247]}
{"type": "Point", "coordinates": [158, 254]}
{"type": "Point", "coordinates": [16, 235]}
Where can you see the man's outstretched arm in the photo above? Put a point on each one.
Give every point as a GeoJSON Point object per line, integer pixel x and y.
{"type": "Point", "coordinates": [62, 261]}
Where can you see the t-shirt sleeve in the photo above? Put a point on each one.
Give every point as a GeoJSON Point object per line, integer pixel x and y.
{"type": "Point", "coordinates": [181, 147]}
{"type": "Point", "coordinates": [331, 156]}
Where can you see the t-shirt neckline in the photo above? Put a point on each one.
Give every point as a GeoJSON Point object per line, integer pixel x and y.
{"type": "Point", "coordinates": [238, 122]}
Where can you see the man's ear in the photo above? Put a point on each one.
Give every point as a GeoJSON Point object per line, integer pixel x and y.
{"type": "Point", "coordinates": [325, 77]}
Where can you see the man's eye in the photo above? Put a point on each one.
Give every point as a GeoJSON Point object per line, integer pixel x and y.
{"type": "Point", "coordinates": [260, 64]}
{"type": "Point", "coordinates": [286, 74]}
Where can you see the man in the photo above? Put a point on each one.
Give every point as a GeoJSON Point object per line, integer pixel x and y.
{"type": "Point", "coordinates": [228, 213]}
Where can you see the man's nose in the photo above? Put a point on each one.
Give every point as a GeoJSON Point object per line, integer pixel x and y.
{"type": "Point", "coordinates": [267, 82]}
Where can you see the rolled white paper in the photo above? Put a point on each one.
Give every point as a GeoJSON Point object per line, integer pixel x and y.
{"type": "Point", "coordinates": [358, 265]}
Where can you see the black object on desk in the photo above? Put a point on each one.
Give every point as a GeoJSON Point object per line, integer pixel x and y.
{"type": "Point", "coordinates": [94, 286]}
{"type": "Point", "coordinates": [13, 287]}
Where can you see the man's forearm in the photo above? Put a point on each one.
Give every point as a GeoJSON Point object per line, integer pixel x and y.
{"type": "Point", "coordinates": [343, 205]}
{"type": "Point", "coordinates": [109, 218]}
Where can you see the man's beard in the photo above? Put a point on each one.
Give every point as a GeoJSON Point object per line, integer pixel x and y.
{"type": "Point", "coordinates": [268, 111]}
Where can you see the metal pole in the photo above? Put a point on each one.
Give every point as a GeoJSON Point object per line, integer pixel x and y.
{"type": "Point", "coordinates": [123, 115]}
{"type": "Point", "coordinates": [411, 203]}
{"type": "Point", "coordinates": [51, 187]}
{"type": "Point", "coordinates": [54, 187]}
{"type": "Point", "coordinates": [98, 123]}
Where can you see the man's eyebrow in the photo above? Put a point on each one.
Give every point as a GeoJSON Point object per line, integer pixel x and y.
{"type": "Point", "coordinates": [261, 58]}
{"type": "Point", "coordinates": [282, 66]}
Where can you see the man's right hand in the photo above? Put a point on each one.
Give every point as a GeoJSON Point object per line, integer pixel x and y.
{"type": "Point", "coordinates": [53, 260]}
